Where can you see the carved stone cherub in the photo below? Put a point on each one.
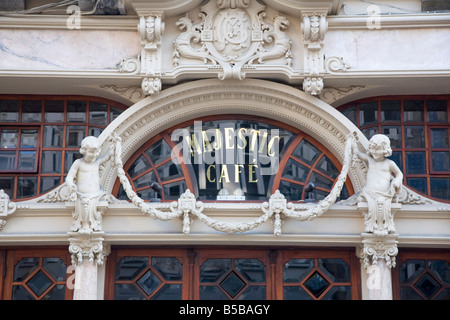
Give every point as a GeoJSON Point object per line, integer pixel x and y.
{"type": "Point", "coordinates": [384, 182]}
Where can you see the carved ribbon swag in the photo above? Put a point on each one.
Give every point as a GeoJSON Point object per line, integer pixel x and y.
{"type": "Point", "coordinates": [187, 207]}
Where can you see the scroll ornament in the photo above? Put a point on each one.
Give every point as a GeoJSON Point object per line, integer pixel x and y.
{"type": "Point", "coordinates": [187, 207]}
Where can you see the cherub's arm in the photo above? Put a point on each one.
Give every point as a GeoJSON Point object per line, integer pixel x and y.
{"type": "Point", "coordinates": [104, 158]}
{"type": "Point", "coordinates": [398, 176]}
{"type": "Point", "coordinates": [71, 175]}
{"type": "Point", "coordinates": [363, 156]}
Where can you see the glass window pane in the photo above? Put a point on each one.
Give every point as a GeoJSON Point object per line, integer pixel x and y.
{"type": "Point", "coordinates": [414, 137]}
{"type": "Point", "coordinates": [169, 171]}
{"type": "Point", "coordinates": [337, 270]}
{"type": "Point", "coordinates": [39, 283]}
{"type": "Point", "coordinates": [211, 293]}
{"type": "Point", "coordinates": [9, 139]}
{"type": "Point", "coordinates": [31, 110]}
{"type": "Point", "coordinates": [441, 269]}
{"type": "Point", "coordinates": [295, 171]}
{"type": "Point", "coordinates": [390, 110]}
{"type": "Point", "coordinates": [29, 139]}
{"type": "Point", "coordinates": [58, 292]}
{"type": "Point", "coordinates": [415, 163]}
{"type": "Point", "coordinates": [140, 165]}
{"type": "Point", "coordinates": [114, 113]}
{"type": "Point", "coordinates": [70, 157]}
{"type": "Point", "coordinates": [253, 293]}
{"type": "Point", "coordinates": [149, 282]}
{"type": "Point", "coordinates": [159, 151]}
{"type": "Point", "coordinates": [413, 110]}
{"type": "Point", "coordinates": [368, 113]}
{"type": "Point", "coordinates": [7, 160]}
{"type": "Point", "coordinates": [7, 184]}
{"type": "Point", "coordinates": [54, 111]}
{"type": "Point", "coordinates": [291, 191]}
{"type": "Point", "coordinates": [213, 269]}
{"type": "Point", "coordinates": [125, 291]}
{"type": "Point", "coordinates": [419, 184]}
{"type": "Point", "coordinates": [295, 293]}
{"type": "Point", "coordinates": [439, 138]}
{"type": "Point", "coordinates": [27, 161]}
{"type": "Point", "coordinates": [145, 180]}
{"type": "Point", "coordinates": [437, 110]}
{"type": "Point", "coordinates": [20, 293]}
{"type": "Point", "coordinates": [98, 113]}
{"type": "Point", "coordinates": [369, 132]}
{"type": "Point", "coordinates": [295, 270]}
{"type": "Point", "coordinates": [397, 158]}
{"type": "Point", "coordinates": [395, 135]}
{"type": "Point", "coordinates": [326, 166]}
{"type": "Point", "coordinates": [320, 181]}
{"type": "Point", "coordinates": [53, 137]}
{"type": "Point", "coordinates": [93, 131]}
{"type": "Point", "coordinates": [440, 188]}
{"type": "Point", "coordinates": [51, 161]}
{"type": "Point", "coordinates": [169, 292]}
{"type": "Point", "coordinates": [252, 270]}
{"type": "Point", "coordinates": [76, 111]}
{"type": "Point", "coordinates": [49, 183]}
{"type": "Point", "coordinates": [306, 152]}
{"type": "Point", "coordinates": [338, 293]}
{"type": "Point", "coordinates": [169, 268]}
{"type": "Point", "coordinates": [129, 268]}
{"type": "Point", "coordinates": [172, 191]}
{"type": "Point", "coordinates": [350, 113]}
{"type": "Point", "coordinates": [440, 161]}
{"type": "Point", "coordinates": [74, 135]}
{"type": "Point", "coordinates": [26, 187]}
{"type": "Point", "coordinates": [24, 268]}
{"type": "Point", "coordinates": [9, 111]}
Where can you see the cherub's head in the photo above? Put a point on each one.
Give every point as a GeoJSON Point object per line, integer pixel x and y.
{"type": "Point", "coordinates": [380, 147]}
{"type": "Point", "coordinates": [90, 148]}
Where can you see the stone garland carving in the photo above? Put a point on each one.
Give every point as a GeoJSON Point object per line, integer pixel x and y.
{"type": "Point", "coordinates": [232, 37]}
{"type": "Point", "coordinates": [6, 208]}
{"type": "Point", "coordinates": [187, 207]}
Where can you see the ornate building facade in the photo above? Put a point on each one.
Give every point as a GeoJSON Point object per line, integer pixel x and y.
{"type": "Point", "coordinates": [236, 150]}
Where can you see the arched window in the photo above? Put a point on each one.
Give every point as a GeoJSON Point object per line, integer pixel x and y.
{"type": "Point", "coordinates": [40, 137]}
{"type": "Point", "coordinates": [418, 127]}
{"type": "Point", "coordinates": [232, 158]}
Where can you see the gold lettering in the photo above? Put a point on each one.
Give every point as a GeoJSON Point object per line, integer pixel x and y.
{"type": "Point", "coordinates": [237, 171]}
{"type": "Point", "coordinates": [229, 137]}
{"type": "Point", "coordinates": [263, 142]}
{"type": "Point", "coordinates": [253, 139]}
{"type": "Point", "coordinates": [193, 144]}
{"type": "Point", "coordinates": [251, 171]}
{"type": "Point", "coordinates": [208, 173]}
{"type": "Point", "coordinates": [270, 145]}
{"type": "Point", "coordinates": [217, 144]}
{"type": "Point", "coordinates": [206, 144]}
{"type": "Point", "coordinates": [242, 138]}
{"type": "Point", "coordinates": [224, 174]}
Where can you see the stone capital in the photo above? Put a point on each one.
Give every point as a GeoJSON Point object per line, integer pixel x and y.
{"type": "Point", "coordinates": [378, 247]}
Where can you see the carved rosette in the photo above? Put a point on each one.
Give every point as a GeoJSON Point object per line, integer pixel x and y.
{"type": "Point", "coordinates": [232, 37]}
{"type": "Point", "coordinates": [6, 208]}
{"type": "Point", "coordinates": [378, 247]}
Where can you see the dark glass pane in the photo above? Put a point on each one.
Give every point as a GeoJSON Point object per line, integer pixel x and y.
{"type": "Point", "coordinates": [149, 282]}
{"type": "Point", "coordinates": [51, 161]}
{"type": "Point", "coordinates": [169, 171]}
{"type": "Point", "coordinates": [390, 110]}
{"type": "Point", "coordinates": [158, 151]}
{"type": "Point", "coordinates": [70, 157]}
{"type": "Point", "coordinates": [24, 268]}
{"type": "Point", "coordinates": [58, 292]}
{"type": "Point", "coordinates": [440, 161]}
{"type": "Point", "coordinates": [7, 184]}
{"type": "Point", "coordinates": [7, 160]}
{"type": "Point", "coordinates": [316, 284]}
{"type": "Point", "coordinates": [295, 171]}
{"type": "Point", "coordinates": [440, 188]}
{"type": "Point", "coordinates": [338, 293]}
{"type": "Point", "coordinates": [295, 270]}
{"type": "Point", "coordinates": [407, 293]}
{"type": "Point", "coordinates": [31, 110]}
{"type": "Point", "coordinates": [306, 152]}
{"type": "Point", "coordinates": [443, 295]}
{"type": "Point", "coordinates": [350, 113]}
{"type": "Point", "coordinates": [53, 136]}
{"type": "Point", "coordinates": [414, 137]}
{"type": "Point", "coordinates": [169, 268]}
{"type": "Point", "coordinates": [397, 158]}
{"type": "Point", "coordinates": [326, 166]}
{"type": "Point", "coordinates": [232, 284]}
{"type": "Point", "coordinates": [320, 181]}
{"type": "Point", "coordinates": [26, 187]}
{"type": "Point", "coordinates": [253, 293]}
{"type": "Point", "coordinates": [213, 269]}
{"type": "Point", "coordinates": [410, 270]}
{"type": "Point", "coordinates": [211, 293]}
{"type": "Point", "coordinates": [27, 161]}
{"type": "Point", "coordinates": [55, 267]}
{"type": "Point", "coordinates": [172, 191]}
{"type": "Point", "coordinates": [437, 110]}
{"type": "Point", "coordinates": [368, 113]}
{"type": "Point", "coordinates": [145, 180]}
{"type": "Point", "coordinates": [98, 113]}
{"type": "Point", "coordinates": [54, 111]}
{"type": "Point", "coordinates": [292, 191]}
{"type": "Point", "coordinates": [76, 111]}
{"type": "Point", "coordinates": [9, 111]}
{"type": "Point", "coordinates": [129, 268]}
{"type": "Point", "coordinates": [427, 285]}
{"type": "Point", "coordinates": [147, 194]}
{"type": "Point", "coordinates": [139, 166]}
{"type": "Point", "coordinates": [169, 292]}
{"type": "Point", "coordinates": [39, 283]}
{"type": "Point", "coordinates": [93, 131]}
{"type": "Point", "coordinates": [439, 138]}
{"type": "Point", "coordinates": [28, 139]}
{"type": "Point", "coordinates": [114, 113]}
{"type": "Point", "coordinates": [20, 293]}
{"type": "Point", "coordinates": [337, 270]}
{"type": "Point", "coordinates": [252, 270]}
{"type": "Point", "coordinates": [394, 133]}
{"type": "Point", "coordinates": [125, 291]}
{"type": "Point", "coordinates": [74, 135]}
{"type": "Point", "coordinates": [319, 194]}
{"type": "Point", "coordinates": [441, 269]}
{"type": "Point", "coordinates": [413, 110]}
{"type": "Point", "coordinates": [415, 162]}
{"type": "Point", "coordinates": [295, 293]}
{"type": "Point", "coordinates": [48, 183]}
{"type": "Point", "coordinates": [420, 184]}
{"type": "Point", "coordinates": [369, 132]}
{"type": "Point", "coordinates": [9, 139]}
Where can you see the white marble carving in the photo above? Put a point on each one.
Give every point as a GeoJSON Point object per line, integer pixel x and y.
{"type": "Point", "coordinates": [231, 37]}
{"type": "Point", "coordinates": [6, 208]}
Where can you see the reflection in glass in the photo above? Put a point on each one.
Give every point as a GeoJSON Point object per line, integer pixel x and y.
{"type": "Point", "coordinates": [427, 286]}
{"type": "Point", "coordinates": [76, 111]}
{"type": "Point", "coordinates": [51, 161]}
{"type": "Point", "coordinates": [253, 293]}
{"type": "Point", "coordinates": [320, 181]}
{"type": "Point", "coordinates": [437, 110]}
{"type": "Point", "coordinates": [26, 187]}
{"type": "Point", "coordinates": [126, 291]}
{"type": "Point", "coordinates": [252, 270]}
{"type": "Point", "coordinates": [159, 151]}
{"type": "Point", "coordinates": [31, 110]}
{"type": "Point", "coordinates": [172, 191]}
{"type": "Point", "coordinates": [169, 171]}
{"type": "Point", "coordinates": [28, 139]}
{"type": "Point", "coordinates": [212, 269]}
{"type": "Point", "coordinates": [295, 270]}
{"type": "Point", "coordinates": [149, 282]}
{"type": "Point", "coordinates": [9, 110]}
{"type": "Point", "coordinates": [295, 171]}
{"type": "Point", "coordinates": [327, 167]}
{"type": "Point", "coordinates": [291, 191]}
{"type": "Point", "coordinates": [129, 268]}
{"type": "Point", "coordinates": [7, 160]}
{"type": "Point", "coordinates": [55, 267]}
{"type": "Point", "coordinates": [368, 113]}
{"type": "Point", "coordinates": [58, 292]}
{"type": "Point", "coordinates": [439, 138]}
{"type": "Point", "coordinates": [27, 161]}
{"type": "Point", "coordinates": [420, 184]}
{"type": "Point", "coordinates": [232, 284]}
{"type": "Point", "coordinates": [70, 157]}
{"type": "Point", "coordinates": [337, 270]}
{"type": "Point", "coordinates": [39, 283]}
{"type": "Point", "coordinates": [98, 113]}
{"type": "Point", "coordinates": [20, 293]}
{"type": "Point", "coordinates": [316, 284]}
{"type": "Point", "coordinates": [139, 166]}
{"type": "Point", "coordinates": [53, 136]}
{"type": "Point", "coordinates": [369, 132]}
{"type": "Point", "coordinates": [169, 292]}
{"type": "Point", "coordinates": [54, 111]}
{"type": "Point", "coordinates": [306, 152]}
{"type": "Point", "coordinates": [390, 110]}
{"type": "Point", "coordinates": [144, 181]}
{"type": "Point", "coordinates": [7, 184]}
{"type": "Point", "coordinates": [414, 137]}
{"type": "Point", "coordinates": [9, 139]}
{"type": "Point", "coordinates": [295, 293]}
{"type": "Point", "coordinates": [212, 293]}
{"type": "Point", "coordinates": [440, 188]}
{"type": "Point", "coordinates": [441, 269]}
{"type": "Point", "coordinates": [169, 268]}
{"type": "Point", "coordinates": [24, 268]}
{"type": "Point", "coordinates": [338, 293]}
{"type": "Point", "coordinates": [410, 269]}
{"type": "Point", "coordinates": [415, 162]}
{"type": "Point", "coordinates": [440, 161]}
{"type": "Point", "coordinates": [74, 136]}
{"type": "Point", "coordinates": [395, 135]}
{"type": "Point", "coordinates": [48, 183]}
{"type": "Point", "coordinates": [413, 110]}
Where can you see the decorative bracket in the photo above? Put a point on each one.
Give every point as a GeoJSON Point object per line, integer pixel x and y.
{"type": "Point", "coordinates": [6, 208]}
